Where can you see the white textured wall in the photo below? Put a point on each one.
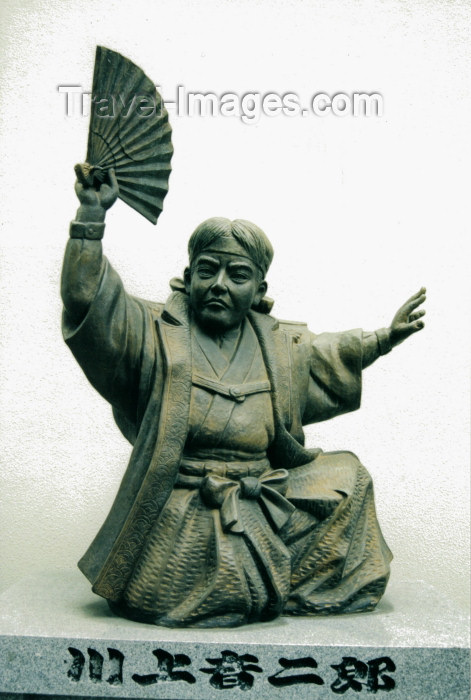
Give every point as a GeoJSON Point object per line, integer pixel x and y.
{"type": "Point", "coordinates": [361, 213]}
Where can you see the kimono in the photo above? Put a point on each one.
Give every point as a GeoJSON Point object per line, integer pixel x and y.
{"type": "Point", "coordinates": [223, 516]}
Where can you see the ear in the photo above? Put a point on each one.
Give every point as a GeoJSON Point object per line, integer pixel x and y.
{"type": "Point", "coordinates": [187, 279]}
{"type": "Point", "coordinates": [261, 291]}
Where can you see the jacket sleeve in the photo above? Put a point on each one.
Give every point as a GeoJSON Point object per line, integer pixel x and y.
{"type": "Point", "coordinates": [110, 342]}
{"type": "Point", "coordinates": [335, 367]}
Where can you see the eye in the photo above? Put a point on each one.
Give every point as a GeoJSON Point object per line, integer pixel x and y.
{"type": "Point", "coordinates": [205, 271]}
{"type": "Point", "coordinates": [239, 276]}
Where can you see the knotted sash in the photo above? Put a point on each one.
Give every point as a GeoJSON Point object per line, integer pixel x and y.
{"type": "Point", "coordinates": [225, 493]}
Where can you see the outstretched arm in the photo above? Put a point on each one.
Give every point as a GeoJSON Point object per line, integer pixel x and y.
{"type": "Point", "coordinates": [337, 360]}
{"type": "Point", "coordinates": [83, 260]}
{"type": "Point", "coordinates": [406, 322]}
{"type": "Point", "coordinates": [103, 326]}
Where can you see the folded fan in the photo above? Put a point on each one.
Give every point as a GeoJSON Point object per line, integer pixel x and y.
{"type": "Point", "coordinates": [130, 132]}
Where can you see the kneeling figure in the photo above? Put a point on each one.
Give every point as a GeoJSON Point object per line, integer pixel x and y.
{"type": "Point", "coordinates": [223, 516]}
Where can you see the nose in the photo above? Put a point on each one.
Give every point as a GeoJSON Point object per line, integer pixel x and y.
{"type": "Point", "coordinates": [219, 284]}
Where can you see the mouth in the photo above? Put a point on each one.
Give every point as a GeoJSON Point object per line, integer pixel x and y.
{"type": "Point", "coordinates": [216, 304]}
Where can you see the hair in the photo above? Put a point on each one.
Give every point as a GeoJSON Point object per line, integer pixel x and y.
{"type": "Point", "coordinates": [248, 235]}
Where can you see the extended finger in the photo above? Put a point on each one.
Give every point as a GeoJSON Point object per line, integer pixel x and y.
{"type": "Point", "coordinates": [420, 293]}
{"type": "Point", "coordinates": [416, 315]}
{"type": "Point", "coordinates": [415, 326]}
{"type": "Point", "coordinates": [413, 303]}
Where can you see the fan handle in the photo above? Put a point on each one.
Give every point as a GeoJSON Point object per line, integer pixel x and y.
{"type": "Point", "coordinates": [90, 175]}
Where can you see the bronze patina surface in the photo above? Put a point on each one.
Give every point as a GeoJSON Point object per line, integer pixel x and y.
{"type": "Point", "coordinates": [223, 516]}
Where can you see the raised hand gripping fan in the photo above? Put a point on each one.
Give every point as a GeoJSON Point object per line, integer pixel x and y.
{"type": "Point", "coordinates": [130, 132]}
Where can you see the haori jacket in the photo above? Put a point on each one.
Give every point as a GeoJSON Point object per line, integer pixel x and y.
{"type": "Point", "coordinates": [137, 354]}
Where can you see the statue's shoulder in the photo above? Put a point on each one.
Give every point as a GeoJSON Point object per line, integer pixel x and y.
{"type": "Point", "coordinates": [174, 310]}
{"type": "Point", "coordinates": [154, 307]}
{"type": "Point", "coordinates": [272, 323]}
{"type": "Point", "coordinates": [298, 330]}
{"type": "Point", "coordinates": [292, 325]}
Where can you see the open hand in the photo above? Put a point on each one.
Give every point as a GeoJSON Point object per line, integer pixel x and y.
{"type": "Point", "coordinates": [407, 320]}
{"type": "Point", "coordinates": [93, 202]}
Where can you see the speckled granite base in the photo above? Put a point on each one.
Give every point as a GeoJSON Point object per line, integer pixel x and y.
{"type": "Point", "coordinates": [57, 638]}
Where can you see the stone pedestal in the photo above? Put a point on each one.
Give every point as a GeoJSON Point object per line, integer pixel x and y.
{"type": "Point", "coordinates": [57, 638]}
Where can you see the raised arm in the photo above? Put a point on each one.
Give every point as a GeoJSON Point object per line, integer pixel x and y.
{"type": "Point", "coordinates": [83, 261]}
{"type": "Point", "coordinates": [104, 327]}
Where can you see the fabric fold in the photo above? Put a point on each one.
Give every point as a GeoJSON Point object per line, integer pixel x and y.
{"type": "Point", "coordinates": [223, 493]}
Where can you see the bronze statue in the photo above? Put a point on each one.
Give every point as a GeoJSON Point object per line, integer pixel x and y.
{"type": "Point", "coordinates": [223, 516]}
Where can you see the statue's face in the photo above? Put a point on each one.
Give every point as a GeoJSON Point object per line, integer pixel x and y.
{"type": "Point", "coordinates": [223, 284]}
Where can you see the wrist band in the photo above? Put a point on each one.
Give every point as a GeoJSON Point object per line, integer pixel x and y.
{"type": "Point", "coordinates": [91, 230]}
{"type": "Point", "coordinates": [384, 340]}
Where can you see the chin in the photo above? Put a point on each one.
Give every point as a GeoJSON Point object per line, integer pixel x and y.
{"type": "Point", "coordinates": [215, 321]}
